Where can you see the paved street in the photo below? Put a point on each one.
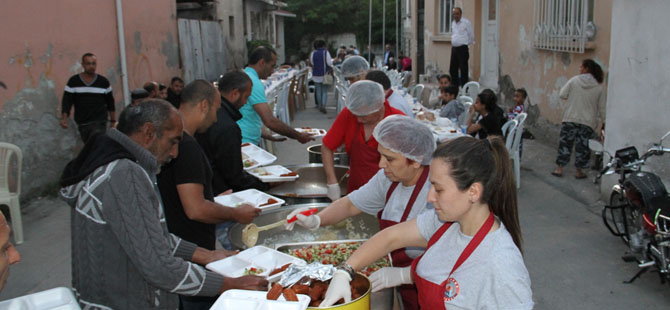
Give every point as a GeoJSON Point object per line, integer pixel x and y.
{"type": "Point", "coordinates": [573, 260]}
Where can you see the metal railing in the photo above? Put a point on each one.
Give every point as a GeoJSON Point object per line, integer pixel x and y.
{"type": "Point", "coordinates": [560, 25]}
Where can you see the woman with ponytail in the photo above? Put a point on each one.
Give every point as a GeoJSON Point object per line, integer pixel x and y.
{"type": "Point", "coordinates": [472, 237]}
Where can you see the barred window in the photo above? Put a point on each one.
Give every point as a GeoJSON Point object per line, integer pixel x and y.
{"type": "Point", "coordinates": [560, 25]}
{"type": "Point", "coordinates": [444, 12]}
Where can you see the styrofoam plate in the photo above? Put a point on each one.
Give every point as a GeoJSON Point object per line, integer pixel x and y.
{"type": "Point", "coordinates": [255, 300]}
{"type": "Point", "coordinates": [272, 174]}
{"type": "Point", "coordinates": [60, 298]}
{"type": "Point", "coordinates": [254, 156]}
{"type": "Point", "coordinates": [314, 131]}
{"type": "Point", "coordinates": [251, 196]}
{"type": "Point", "coordinates": [256, 257]}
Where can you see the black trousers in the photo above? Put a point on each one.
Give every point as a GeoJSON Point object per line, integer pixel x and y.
{"type": "Point", "coordinates": [459, 64]}
{"type": "Point", "coordinates": [89, 129]}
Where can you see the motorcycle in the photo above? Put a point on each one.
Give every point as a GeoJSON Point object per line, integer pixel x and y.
{"type": "Point", "coordinates": [639, 209]}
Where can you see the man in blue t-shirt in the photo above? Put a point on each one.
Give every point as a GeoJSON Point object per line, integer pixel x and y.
{"type": "Point", "coordinates": [257, 111]}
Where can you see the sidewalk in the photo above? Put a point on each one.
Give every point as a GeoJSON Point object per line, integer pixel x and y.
{"type": "Point", "coordinates": [573, 261]}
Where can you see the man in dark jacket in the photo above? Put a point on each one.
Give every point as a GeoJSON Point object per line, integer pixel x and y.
{"type": "Point", "coordinates": [122, 254]}
{"type": "Point", "coordinates": [221, 143]}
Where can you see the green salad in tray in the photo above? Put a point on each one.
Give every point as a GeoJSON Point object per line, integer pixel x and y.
{"type": "Point", "coordinates": [335, 253]}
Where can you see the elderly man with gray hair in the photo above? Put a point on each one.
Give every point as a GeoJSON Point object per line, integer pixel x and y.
{"type": "Point", "coordinates": [123, 256]}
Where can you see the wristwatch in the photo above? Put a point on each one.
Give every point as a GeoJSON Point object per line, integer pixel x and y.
{"type": "Point", "coordinates": [348, 269]}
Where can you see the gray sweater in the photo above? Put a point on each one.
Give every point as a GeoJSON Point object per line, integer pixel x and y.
{"type": "Point", "coordinates": [123, 256]}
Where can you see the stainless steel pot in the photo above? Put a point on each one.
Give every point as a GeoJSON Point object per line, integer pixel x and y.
{"type": "Point", "coordinates": [340, 158]}
{"type": "Point", "coordinates": [311, 186]}
{"type": "Point", "coordinates": [361, 226]}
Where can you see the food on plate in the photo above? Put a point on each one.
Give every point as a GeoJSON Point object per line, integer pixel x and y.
{"type": "Point", "coordinates": [290, 174]}
{"type": "Point", "coordinates": [261, 171]}
{"type": "Point", "coordinates": [425, 116]}
{"type": "Point", "coordinates": [270, 201]}
{"type": "Point", "coordinates": [301, 289]}
{"type": "Point", "coordinates": [280, 269]}
{"type": "Point", "coordinates": [249, 162]}
{"type": "Point", "coordinates": [307, 128]}
{"type": "Point", "coordinates": [317, 290]}
{"type": "Point", "coordinates": [246, 144]}
{"type": "Point", "coordinates": [321, 131]}
{"type": "Point", "coordinates": [290, 295]}
{"type": "Point", "coordinates": [252, 271]}
{"type": "Point", "coordinates": [335, 253]}
{"type": "Point", "coordinates": [452, 131]}
{"type": "Point", "coordinates": [275, 291]}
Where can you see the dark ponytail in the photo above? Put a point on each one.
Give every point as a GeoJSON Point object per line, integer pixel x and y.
{"type": "Point", "coordinates": [485, 161]}
{"type": "Point", "coordinates": [594, 69]}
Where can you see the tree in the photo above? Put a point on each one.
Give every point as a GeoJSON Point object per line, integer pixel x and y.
{"type": "Point", "coordinates": [324, 17]}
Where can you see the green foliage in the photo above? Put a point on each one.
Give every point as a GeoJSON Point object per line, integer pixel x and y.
{"type": "Point", "coordinates": [315, 18]}
{"type": "Point", "coordinates": [251, 45]}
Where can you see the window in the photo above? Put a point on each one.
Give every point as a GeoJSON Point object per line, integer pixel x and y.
{"type": "Point", "coordinates": [560, 25]}
{"type": "Point", "coordinates": [231, 26]}
{"type": "Point", "coordinates": [444, 16]}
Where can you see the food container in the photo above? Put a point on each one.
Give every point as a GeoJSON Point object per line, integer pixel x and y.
{"type": "Point", "coordinates": [381, 300]}
{"type": "Point", "coordinates": [255, 300]}
{"type": "Point", "coordinates": [59, 298]}
{"type": "Point", "coordinates": [254, 156]}
{"type": "Point", "coordinates": [340, 157]}
{"type": "Point", "coordinates": [315, 132]}
{"type": "Point", "coordinates": [253, 197]}
{"type": "Point", "coordinates": [361, 226]}
{"type": "Point", "coordinates": [262, 259]}
{"type": "Point", "coordinates": [311, 187]}
{"type": "Point", "coordinates": [360, 303]}
{"type": "Point", "coordinates": [274, 173]}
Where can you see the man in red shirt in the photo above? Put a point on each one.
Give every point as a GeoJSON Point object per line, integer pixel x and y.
{"type": "Point", "coordinates": [366, 106]}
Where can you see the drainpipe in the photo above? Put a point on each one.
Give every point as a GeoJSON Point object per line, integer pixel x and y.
{"type": "Point", "coordinates": [122, 48]}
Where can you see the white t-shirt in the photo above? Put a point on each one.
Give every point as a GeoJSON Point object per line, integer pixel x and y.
{"type": "Point", "coordinates": [398, 102]}
{"type": "Point", "coordinates": [370, 199]}
{"type": "Point", "coordinates": [493, 277]}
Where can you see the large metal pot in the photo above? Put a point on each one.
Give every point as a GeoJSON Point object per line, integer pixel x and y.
{"type": "Point", "coordinates": [311, 186]}
{"type": "Point", "coordinates": [361, 226]}
{"type": "Point", "coordinates": [339, 157]}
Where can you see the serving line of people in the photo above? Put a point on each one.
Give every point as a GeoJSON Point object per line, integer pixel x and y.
{"type": "Point", "coordinates": [396, 193]}
{"type": "Point", "coordinates": [471, 236]}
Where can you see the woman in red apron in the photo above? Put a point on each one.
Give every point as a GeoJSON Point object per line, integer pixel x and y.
{"type": "Point", "coordinates": [396, 193]}
{"type": "Point", "coordinates": [473, 231]}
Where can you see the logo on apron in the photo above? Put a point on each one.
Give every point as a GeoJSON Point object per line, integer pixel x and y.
{"type": "Point", "coordinates": [451, 289]}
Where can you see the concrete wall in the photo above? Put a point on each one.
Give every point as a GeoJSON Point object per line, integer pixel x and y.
{"type": "Point", "coordinates": [236, 56]}
{"type": "Point", "coordinates": [543, 72]}
{"type": "Point", "coordinates": [42, 45]}
{"type": "Point", "coordinates": [638, 108]}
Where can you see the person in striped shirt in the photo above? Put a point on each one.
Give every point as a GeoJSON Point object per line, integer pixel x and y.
{"type": "Point", "coordinates": [91, 96]}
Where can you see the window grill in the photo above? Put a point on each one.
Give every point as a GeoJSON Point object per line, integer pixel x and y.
{"type": "Point", "coordinates": [444, 11]}
{"type": "Point", "coordinates": [560, 25]}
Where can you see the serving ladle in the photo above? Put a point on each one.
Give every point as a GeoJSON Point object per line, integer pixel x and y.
{"type": "Point", "coordinates": [250, 232]}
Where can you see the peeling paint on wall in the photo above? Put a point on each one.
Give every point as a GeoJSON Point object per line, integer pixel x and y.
{"type": "Point", "coordinates": [170, 49]}
{"type": "Point", "coordinates": [138, 42]}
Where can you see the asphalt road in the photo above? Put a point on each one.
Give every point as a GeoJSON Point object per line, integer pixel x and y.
{"type": "Point", "coordinates": [574, 262]}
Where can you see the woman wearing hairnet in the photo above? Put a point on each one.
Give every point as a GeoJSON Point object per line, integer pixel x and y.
{"type": "Point", "coordinates": [397, 192]}
{"type": "Point", "coordinates": [355, 68]}
{"type": "Point", "coordinates": [366, 106]}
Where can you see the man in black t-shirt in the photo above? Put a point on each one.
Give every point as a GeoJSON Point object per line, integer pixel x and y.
{"type": "Point", "coordinates": [185, 183]}
{"type": "Point", "coordinates": [91, 96]}
{"type": "Point", "coordinates": [174, 91]}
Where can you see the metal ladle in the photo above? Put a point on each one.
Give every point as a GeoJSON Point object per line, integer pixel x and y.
{"type": "Point", "coordinates": [250, 232]}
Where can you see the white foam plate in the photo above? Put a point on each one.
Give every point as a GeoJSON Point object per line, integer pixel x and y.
{"type": "Point", "coordinates": [272, 174]}
{"type": "Point", "coordinates": [257, 257]}
{"type": "Point", "coordinates": [255, 300]}
{"type": "Point", "coordinates": [250, 196]}
{"type": "Point", "coordinates": [314, 131]}
{"type": "Point", "coordinates": [59, 298]}
{"type": "Point", "coordinates": [254, 156]}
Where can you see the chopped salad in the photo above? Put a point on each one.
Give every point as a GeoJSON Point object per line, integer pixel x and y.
{"type": "Point", "coordinates": [335, 253]}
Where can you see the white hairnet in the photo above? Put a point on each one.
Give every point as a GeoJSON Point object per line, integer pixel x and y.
{"type": "Point", "coordinates": [365, 97]}
{"type": "Point", "coordinates": [354, 66]}
{"type": "Point", "coordinates": [407, 136]}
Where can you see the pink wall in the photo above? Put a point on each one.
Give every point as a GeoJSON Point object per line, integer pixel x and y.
{"type": "Point", "coordinates": [47, 38]}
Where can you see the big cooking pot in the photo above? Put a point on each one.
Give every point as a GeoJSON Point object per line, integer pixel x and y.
{"type": "Point", "coordinates": [339, 157]}
{"type": "Point", "coordinates": [361, 226]}
{"type": "Point", "coordinates": [311, 186]}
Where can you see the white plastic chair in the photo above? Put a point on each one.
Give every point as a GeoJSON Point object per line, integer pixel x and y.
{"type": "Point", "coordinates": [514, 153]}
{"type": "Point", "coordinates": [463, 118]}
{"type": "Point", "coordinates": [471, 89]}
{"type": "Point", "coordinates": [464, 99]}
{"type": "Point", "coordinates": [417, 92]}
{"type": "Point", "coordinates": [8, 197]}
{"type": "Point", "coordinates": [508, 131]}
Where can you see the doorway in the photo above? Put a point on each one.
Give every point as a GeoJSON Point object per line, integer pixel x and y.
{"type": "Point", "coordinates": [490, 54]}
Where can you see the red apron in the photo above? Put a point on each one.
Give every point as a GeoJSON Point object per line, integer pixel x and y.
{"type": "Point", "coordinates": [363, 161]}
{"type": "Point", "coordinates": [433, 296]}
{"type": "Point", "coordinates": [399, 257]}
